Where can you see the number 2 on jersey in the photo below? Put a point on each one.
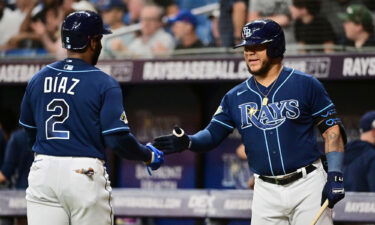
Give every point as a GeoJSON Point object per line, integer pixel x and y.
{"type": "Point", "coordinates": [60, 110]}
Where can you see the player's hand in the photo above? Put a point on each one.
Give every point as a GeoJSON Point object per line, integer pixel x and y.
{"type": "Point", "coordinates": [157, 157]}
{"type": "Point", "coordinates": [334, 189]}
{"type": "Point", "coordinates": [178, 141]}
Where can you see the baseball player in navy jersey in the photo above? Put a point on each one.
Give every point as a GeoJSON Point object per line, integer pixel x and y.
{"type": "Point", "coordinates": [72, 111]}
{"type": "Point", "coordinates": [275, 111]}
{"type": "Point", "coordinates": [17, 161]}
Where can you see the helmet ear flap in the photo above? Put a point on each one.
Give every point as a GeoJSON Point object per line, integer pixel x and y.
{"type": "Point", "coordinates": [276, 48]}
{"type": "Point", "coordinates": [74, 40]}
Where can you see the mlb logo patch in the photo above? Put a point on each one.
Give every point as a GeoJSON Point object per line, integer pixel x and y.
{"type": "Point", "coordinates": [219, 110]}
{"type": "Point", "coordinates": [123, 118]}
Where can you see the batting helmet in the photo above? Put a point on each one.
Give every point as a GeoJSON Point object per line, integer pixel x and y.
{"type": "Point", "coordinates": [78, 27]}
{"type": "Point", "coordinates": [264, 31]}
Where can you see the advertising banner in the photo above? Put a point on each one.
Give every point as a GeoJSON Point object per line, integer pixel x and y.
{"type": "Point", "coordinates": [325, 67]}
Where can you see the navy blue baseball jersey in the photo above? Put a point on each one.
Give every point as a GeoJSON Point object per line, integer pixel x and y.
{"type": "Point", "coordinates": [278, 136]}
{"type": "Point", "coordinates": [359, 166]}
{"type": "Point", "coordinates": [18, 159]}
{"type": "Point", "coordinates": [72, 104]}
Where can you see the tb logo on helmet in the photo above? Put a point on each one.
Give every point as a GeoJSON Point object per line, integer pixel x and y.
{"type": "Point", "coordinates": [247, 32]}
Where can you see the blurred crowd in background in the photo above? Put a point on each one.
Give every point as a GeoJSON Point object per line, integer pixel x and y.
{"type": "Point", "coordinates": [160, 28]}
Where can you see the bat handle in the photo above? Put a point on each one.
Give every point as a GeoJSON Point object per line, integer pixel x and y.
{"type": "Point", "coordinates": [321, 210]}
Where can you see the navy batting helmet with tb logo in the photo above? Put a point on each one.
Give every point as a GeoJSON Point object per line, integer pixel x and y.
{"type": "Point", "coordinates": [78, 27]}
{"type": "Point", "coordinates": [264, 31]}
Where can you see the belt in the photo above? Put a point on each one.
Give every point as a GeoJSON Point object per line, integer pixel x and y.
{"type": "Point", "coordinates": [288, 178]}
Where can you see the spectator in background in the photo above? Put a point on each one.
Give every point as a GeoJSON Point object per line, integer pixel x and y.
{"type": "Point", "coordinates": [359, 160]}
{"type": "Point", "coordinates": [169, 6]}
{"type": "Point", "coordinates": [358, 26]}
{"type": "Point", "coordinates": [69, 6]}
{"type": "Point", "coordinates": [214, 28]}
{"type": "Point", "coordinates": [17, 161]}
{"type": "Point", "coordinates": [113, 44]}
{"type": "Point", "coordinates": [47, 30]}
{"type": "Point", "coordinates": [10, 21]}
{"type": "Point", "coordinates": [330, 9]}
{"type": "Point", "coordinates": [203, 29]}
{"type": "Point", "coordinates": [134, 11]}
{"type": "Point", "coordinates": [183, 29]}
{"type": "Point", "coordinates": [154, 40]}
{"type": "Point", "coordinates": [27, 38]}
{"type": "Point", "coordinates": [276, 10]}
{"type": "Point", "coordinates": [233, 15]}
{"type": "Point", "coordinates": [310, 27]}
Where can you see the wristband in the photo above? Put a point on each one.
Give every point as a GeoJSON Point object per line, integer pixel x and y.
{"type": "Point", "coordinates": [335, 161]}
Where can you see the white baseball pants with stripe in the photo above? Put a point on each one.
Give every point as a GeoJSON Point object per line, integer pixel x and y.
{"type": "Point", "coordinates": [60, 194]}
{"type": "Point", "coordinates": [292, 204]}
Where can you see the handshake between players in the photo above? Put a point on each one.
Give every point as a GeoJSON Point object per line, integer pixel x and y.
{"type": "Point", "coordinates": [178, 141]}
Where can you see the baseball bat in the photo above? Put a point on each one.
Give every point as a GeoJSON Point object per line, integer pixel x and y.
{"type": "Point", "coordinates": [321, 210]}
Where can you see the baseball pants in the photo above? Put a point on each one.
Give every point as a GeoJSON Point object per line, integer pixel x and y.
{"type": "Point", "coordinates": [292, 204]}
{"type": "Point", "coordinates": [61, 193]}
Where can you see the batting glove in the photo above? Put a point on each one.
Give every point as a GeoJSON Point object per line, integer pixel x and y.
{"type": "Point", "coordinates": [157, 157]}
{"type": "Point", "coordinates": [178, 141]}
{"type": "Point", "coordinates": [334, 189]}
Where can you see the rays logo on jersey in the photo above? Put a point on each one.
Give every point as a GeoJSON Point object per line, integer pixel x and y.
{"type": "Point", "coordinates": [268, 116]}
{"type": "Point", "coordinates": [123, 117]}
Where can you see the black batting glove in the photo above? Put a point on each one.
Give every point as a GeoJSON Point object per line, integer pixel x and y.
{"type": "Point", "coordinates": [333, 189]}
{"type": "Point", "coordinates": [178, 141]}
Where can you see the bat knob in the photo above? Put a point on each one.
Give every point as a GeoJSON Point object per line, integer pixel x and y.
{"type": "Point", "coordinates": [178, 132]}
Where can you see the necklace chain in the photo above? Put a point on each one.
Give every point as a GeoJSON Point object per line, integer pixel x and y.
{"type": "Point", "coordinates": [256, 84]}
{"type": "Point", "coordinates": [265, 97]}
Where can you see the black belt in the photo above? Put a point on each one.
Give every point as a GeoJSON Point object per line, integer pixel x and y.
{"type": "Point", "coordinates": [289, 179]}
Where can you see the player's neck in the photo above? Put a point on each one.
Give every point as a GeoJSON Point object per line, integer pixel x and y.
{"type": "Point", "coordinates": [361, 39]}
{"type": "Point", "coordinates": [368, 137]}
{"type": "Point", "coordinates": [85, 57]}
{"type": "Point", "coordinates": [270, 76]}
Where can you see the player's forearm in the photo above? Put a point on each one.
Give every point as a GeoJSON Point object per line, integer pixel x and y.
{"type": "Point", "coordinates": [201, 141]}
{"type": "Point", "coordinates": [334, 148]}
{"type": "Point", "coordinates": [127, 146]}
{"type": "Point", "coordinates": [209, 138]}
{"type": "Point", "coordinates": [333, 141]}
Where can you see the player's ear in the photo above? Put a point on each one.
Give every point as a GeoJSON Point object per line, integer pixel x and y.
{"type": "Point", "coordinates": [93, 43]}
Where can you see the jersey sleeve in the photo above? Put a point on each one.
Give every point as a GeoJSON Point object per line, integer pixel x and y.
{"type": "Point", "coordinates": [27, 115]}
{"type": "Point", "coordinates": [112, 114]}
{"type": "Point", "coordinates": [222, 115]}
{"type": "Point", "coordinates": [321, 103]}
